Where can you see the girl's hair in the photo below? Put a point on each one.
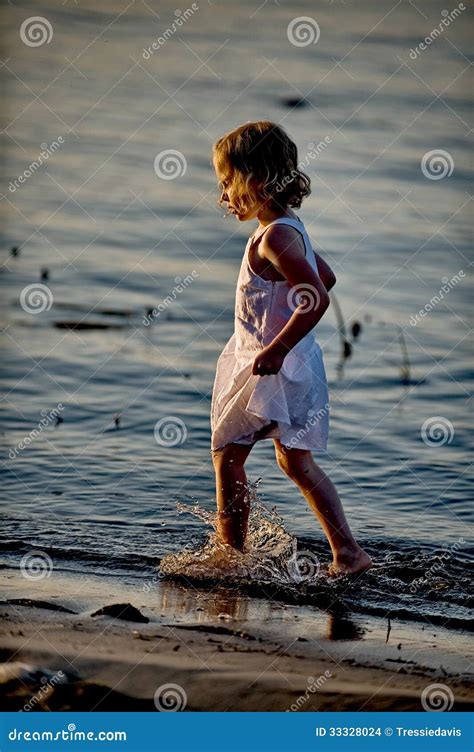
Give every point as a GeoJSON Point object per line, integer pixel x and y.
{"type": "Point", "coordinates": [260, 161]}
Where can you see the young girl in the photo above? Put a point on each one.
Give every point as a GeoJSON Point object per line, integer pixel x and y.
{"type": "Point", "coordinates": [270, 380]}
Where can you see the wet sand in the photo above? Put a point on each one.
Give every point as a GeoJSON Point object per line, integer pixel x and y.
{"type": "Point", "coordinates": [222, 651]}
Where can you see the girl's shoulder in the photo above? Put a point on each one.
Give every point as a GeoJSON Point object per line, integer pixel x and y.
{"type": "Point", "coordinates": [284, 232]}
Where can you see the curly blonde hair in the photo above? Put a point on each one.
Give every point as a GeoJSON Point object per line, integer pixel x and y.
{"type": "Point", "coordinates": [260, 162]}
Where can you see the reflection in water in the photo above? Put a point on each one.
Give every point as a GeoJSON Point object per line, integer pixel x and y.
{"type": "Point", "coordinates": [343, 628]}
{"type": "Point", "coordinates": [191, 604]}
{"type": "Point", "coordinates": [202, 606]}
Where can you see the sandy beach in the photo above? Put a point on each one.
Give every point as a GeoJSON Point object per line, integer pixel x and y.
{"type": "Point", "coordinates": [302, 660]}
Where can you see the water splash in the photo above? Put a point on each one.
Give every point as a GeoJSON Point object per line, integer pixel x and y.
{"type": "Point", "coordinates": [270, 555]}
{"type": "Point", "coordinates": [404, 581]}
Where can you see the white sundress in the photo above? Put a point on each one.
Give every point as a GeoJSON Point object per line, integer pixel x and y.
{"type": "Point", "coordinates": [291, 405]}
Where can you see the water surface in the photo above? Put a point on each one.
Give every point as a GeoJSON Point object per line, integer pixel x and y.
{"type": "Point", "coordinates": [117, 240]}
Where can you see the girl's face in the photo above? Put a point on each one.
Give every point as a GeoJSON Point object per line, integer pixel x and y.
{"type": "Point", "coordinates": [229, 198]}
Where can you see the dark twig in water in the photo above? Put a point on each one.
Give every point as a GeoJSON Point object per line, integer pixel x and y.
{"type": "Point", "coordinates": [356, 329]}
{"type": "Point", "coordinates": [294, 102]}
{"type": "Point", "coordinates": [345, 344]}
{"type": "Point", "coordinates": [86, 325]}
{"type": "Point", "coordinates": [405, 368]}
{"type": "Point", "coordinates": [389, 629]}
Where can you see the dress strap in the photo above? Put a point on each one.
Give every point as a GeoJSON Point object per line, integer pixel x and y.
{"type": "Point", "coordinates": [298, 225]}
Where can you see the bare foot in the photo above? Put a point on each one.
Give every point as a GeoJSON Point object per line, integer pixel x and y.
{"type": "Point", "coordinates": [350, 562]}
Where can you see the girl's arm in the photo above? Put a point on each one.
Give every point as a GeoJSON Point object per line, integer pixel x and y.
{"type": "Point", "coordinates": [285, 251]}
{"type": "Point", "coordinates": [327, 275]}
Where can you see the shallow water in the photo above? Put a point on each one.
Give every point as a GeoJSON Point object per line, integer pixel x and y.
{"type": "Point", "coordinates": [429, 585]}
{"type": "Point", "coordinates": [99, 495]}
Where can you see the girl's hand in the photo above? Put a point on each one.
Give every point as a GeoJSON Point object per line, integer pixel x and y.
{"type": "Point", "coordinates": [268, 361]}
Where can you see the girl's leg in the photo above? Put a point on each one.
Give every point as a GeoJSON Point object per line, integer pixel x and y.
{"type": "Point", "coordinates": [232, 493]}
{"type": "Point", "coordinates": [321, 495]}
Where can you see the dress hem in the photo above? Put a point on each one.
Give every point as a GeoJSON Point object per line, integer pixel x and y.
{"type": "Point", "coordinates": [320, 450]}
